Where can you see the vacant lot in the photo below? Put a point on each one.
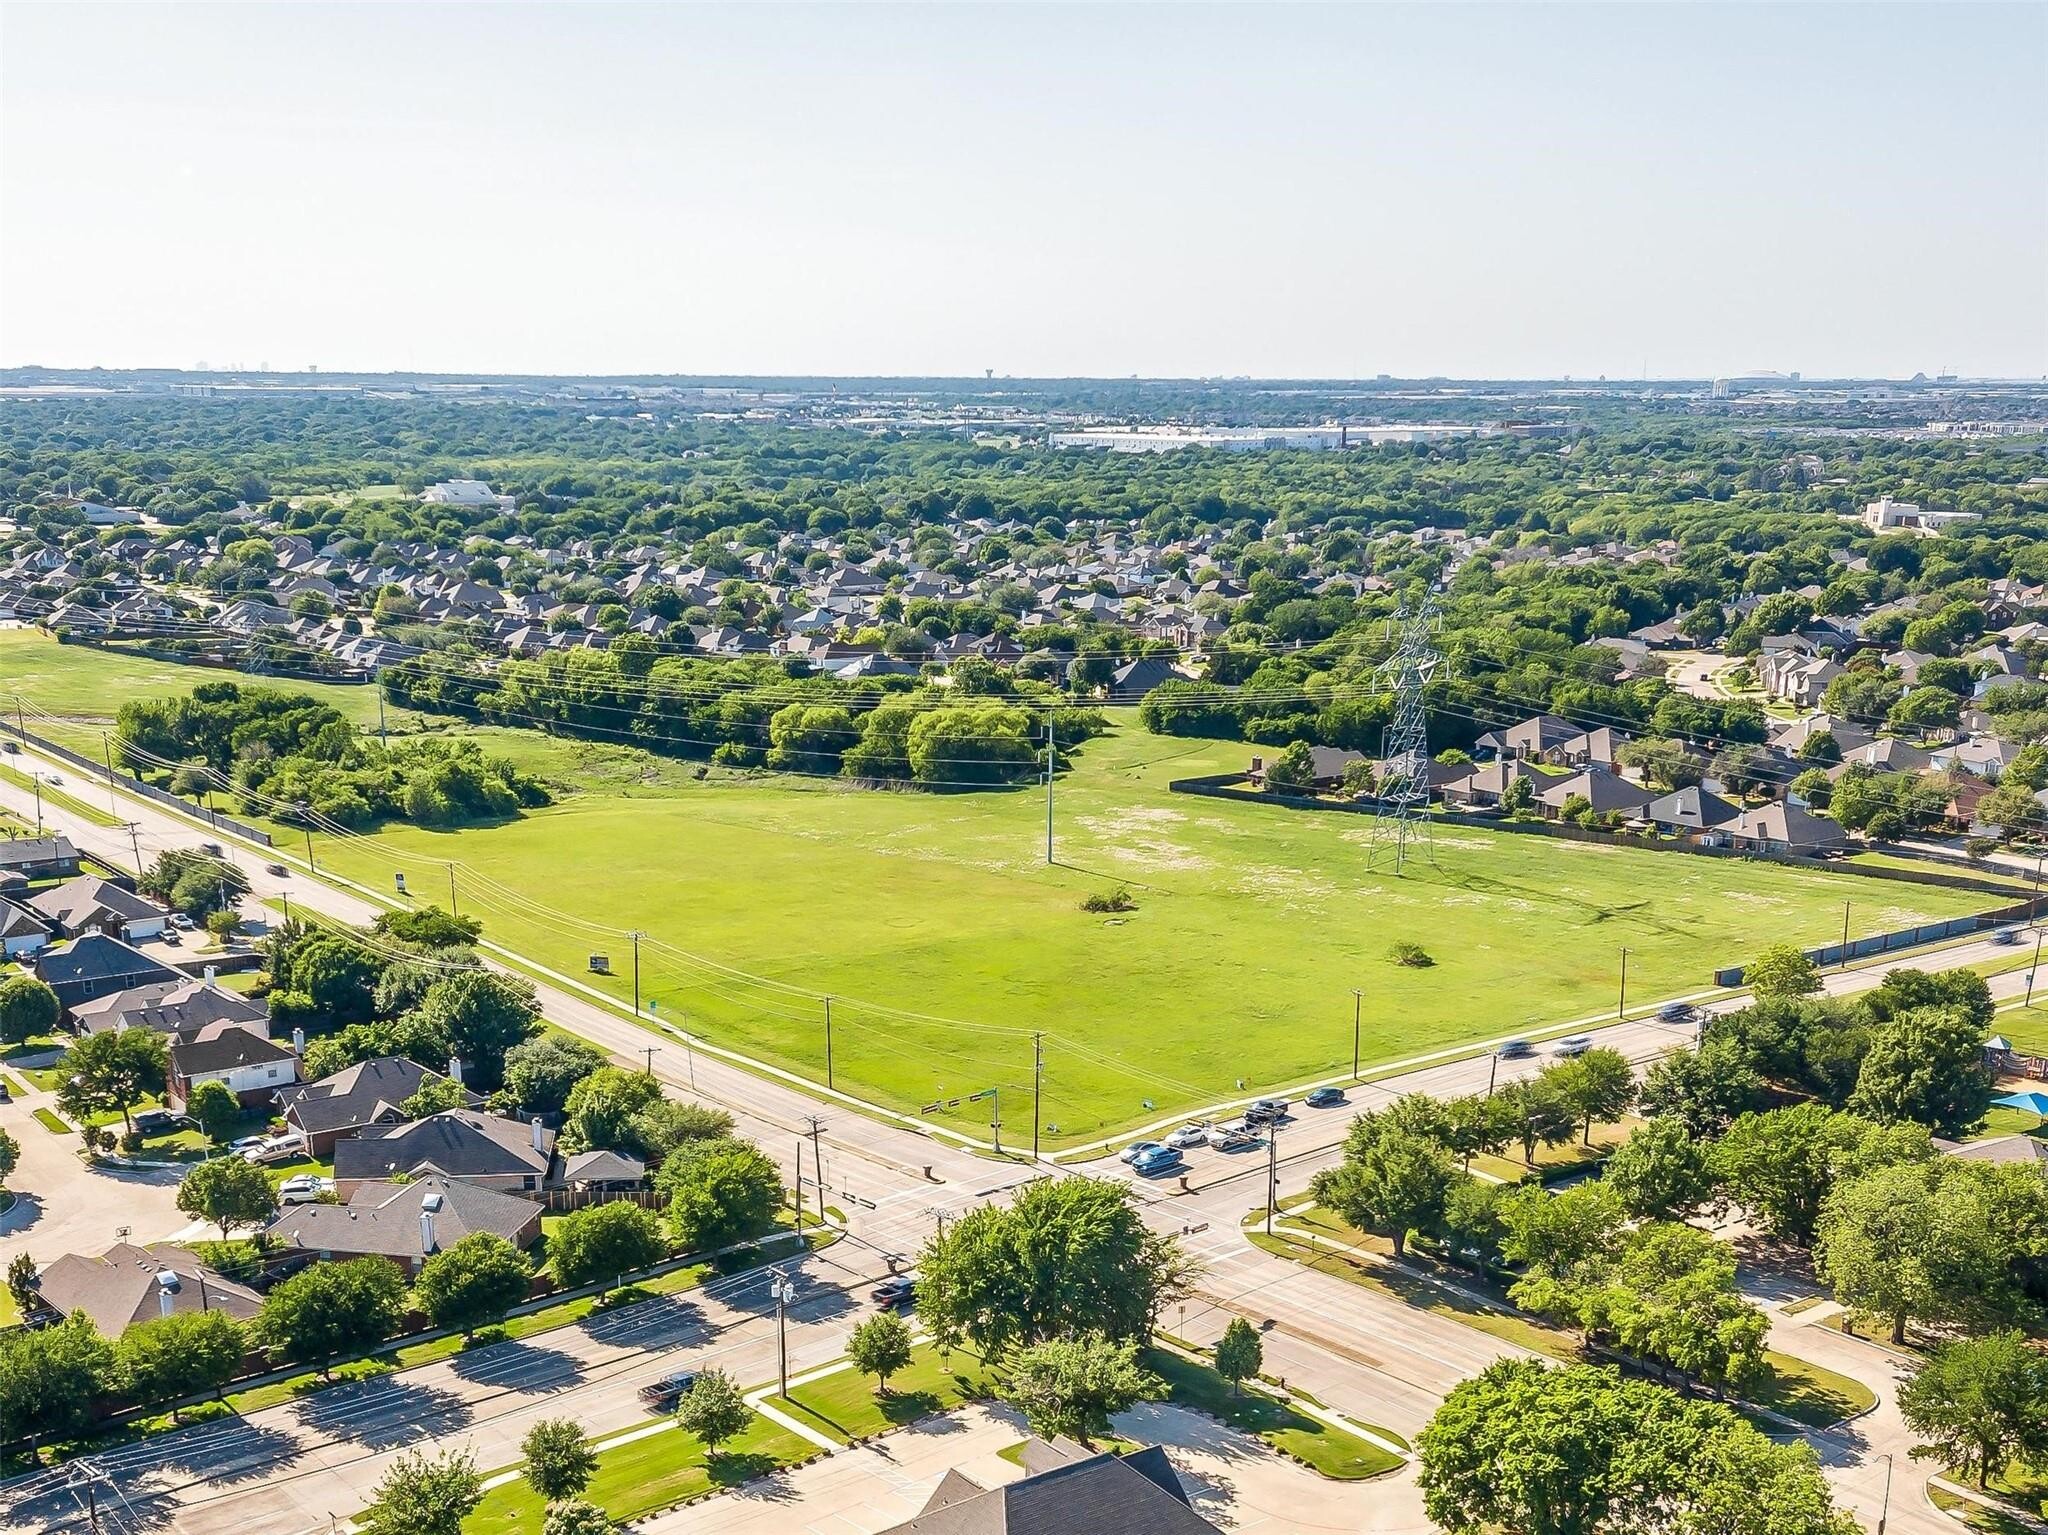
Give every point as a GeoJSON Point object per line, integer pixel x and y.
{"type": "Point", "coordinates": [1252, 926]}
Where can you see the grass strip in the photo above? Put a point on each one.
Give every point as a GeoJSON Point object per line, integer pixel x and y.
{"type": "Point", "coordinates": [1329, 1451]}
{"type": "Point", "coordinates": [846, 1406]}
{"type": "Point", "coordinates": [51, 1122]}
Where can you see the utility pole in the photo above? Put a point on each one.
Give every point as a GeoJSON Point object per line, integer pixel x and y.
{"type": "Point", "coordinates": [1272, 1174]}
{"type": "Point", "coordinates": [1621, 1007]}
{"type": "Point", "coordinates": [453, 909]}
{"type": "Point", "coordinates": [649, 1051]}
{"type": "Point", "coordinates": [1048, 785]}
{"type": "Point", "coordinates": [1037, 1082]}
{"type": "Point", "coordinates": [383, 739]}
{"type": "Point", "coordinates": [1492, 1069]}
{"type": "Point", "coordinates": [135, 842]}
{"type": "Point", "coordinates": [1357, 1002]}
{"type": "Point", "coordinates": [784, 1292]}
{"type": "Point", "coordinates": [107, 755]}
{"type": "Point", "coordinates": [636, 972]}
{"type": "Point", "coordinates": [1844, 965]}
{"type": "Point", "coordinates": [817, 1161]}
{"type": "Point", "coordinates": [2039, 934]}
{"type": "Point", "coordinates": [309, 848]}
{"type": "Point", "coordinates": [35, 782]}
{"type": "Point", "coordinates": [939, 1216]}
{"type": "Point", "coordinates": [2034, 907]}
{"type": "Point", "coordinates": [287, 906]}
{"type": "Point", "coordinates": [689, 1051]}
{"type": "Point", "coordinates": [828, 1039]}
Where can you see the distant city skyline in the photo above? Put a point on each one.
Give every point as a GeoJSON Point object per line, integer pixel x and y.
{"type": "Point", "coordinates": [1462, 191]}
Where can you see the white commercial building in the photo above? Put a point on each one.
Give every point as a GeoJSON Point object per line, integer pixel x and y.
{"type": "Point", "coordinates": [1885, 515]}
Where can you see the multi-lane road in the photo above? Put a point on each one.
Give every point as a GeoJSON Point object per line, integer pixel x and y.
{"type": "Point", "coordinates": [1360, 1351]}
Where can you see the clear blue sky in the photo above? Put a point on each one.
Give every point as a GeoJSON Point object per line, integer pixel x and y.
{"type": "Point", "coordinates": [1159, 189]}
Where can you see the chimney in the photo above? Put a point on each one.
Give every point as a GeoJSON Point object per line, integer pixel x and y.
{"type": "Point", "coordinates": [539, 1130]}
{"type": "Point", "coordinates": [212, 972]}
{"type": "Point", "coordinates": [455, 1069]}
{"type": "Point", "coordinates": [166, 1291]}
{"type": "Point", "coordinates": [298, 1041]}
{"type": "Point", "coordinates": [426, 1230]}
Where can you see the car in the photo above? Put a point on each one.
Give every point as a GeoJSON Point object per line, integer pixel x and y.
{"type": "Point", "coordinates": [1262, 1111]}
{"type": "Point", "coordinates": [246, 1144]}
{"type": "Point", "coordinates": [1572, 1044]}
{"type": "Point", "coordinates": [667, 1391]}
{"type": "Point", "coordinates": [276, 870]}
{"type": "Point", "coordinates": [181, 922]}
{"type": "Point", "coordinates": [171, 937]}
{"type": "Point", "coordinates": [54, 780]}
{"type": "Point", "coordinates": [1160, 1159]}
{"type": "Point", "coordinates": [155, 1121]}
{"type": "Point", "coordinates": [2005, 937]}
{"type": "Point", "coordinates": [268, 1148]}
{"type": "Point", "coordinates": [12, 748]}
{"type": "Point", "coordinates": [303, 1188]}
{"type": "Point", "coordinates": [1132, 1152]}
{"type": "Point", "coordinates": [1325, 1098]}
{"type": "Point", "coordinates": [5, 1096]}
{"type": "Point", "coordinates": [211, 850]}
{"type": "Point", "coordinates": [1677, 1012]}
{"type": "Point", "coordinates": [1234, 1135]}
{"type": "Point", "coordinates": [899, 1291]}
{"type": "Point", "coordinates": [1515, 1049]}
{"type": "Point", "coordinates": [1194, 1133]}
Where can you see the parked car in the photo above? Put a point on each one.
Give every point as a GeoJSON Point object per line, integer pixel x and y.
{"type": "Point", "coordinates": [1234, 1135]}
{"type": "Point", "coordinates": [1515, 1049]}
{"type": "Point", "coordinates": [1572, 1044]}
{"type": "Point", "coordinates": [1160, 1159]}
{"type": "Point", "coordinates": [1265, 1111]}
{"type": "Point", "coordinates": [664, 1393]}
{"type": "Point", "coordinates": [270, 1148]}
{"type": "Point", "coordinates": [155, 1121]}
{"type": "Point", "coordinates": [1324, 1098]}
{"type": "Point", "coordinates": [303, 1189]}
{"type": "Point", "coordinates": [899, 1291]}
{"type": "Point", "coordinates": [1132, 1152]}
{"type": "Point", "coordinates": [171, 937]}
{"type": "Point", "coordinates": [1194, 1133]}
{"type": "Point", "coordinates": [181, 922]}
{"type": "Point", "coordinates": [5, 1096]}
{"type": "Point", "coordinates": [248, 1143]}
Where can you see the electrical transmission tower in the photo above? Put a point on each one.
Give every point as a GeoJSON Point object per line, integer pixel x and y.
{"type": "Point", "coordinates": [1403, 818]}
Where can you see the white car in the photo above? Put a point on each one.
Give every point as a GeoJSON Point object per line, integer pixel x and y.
{"type": "Point", "coordinates": [303, 1189]}
{"type": "Point", "coordinates": [1572, 1044]}
{"type": "Point", "coordinates": [271, 1148]}
{"type": "Point", "coordinates": [1231, 1136]}
{"type": "Point", "coordinates": [1136, 1149]}
{"type": "Point", "coordinates": [1195, 1133]}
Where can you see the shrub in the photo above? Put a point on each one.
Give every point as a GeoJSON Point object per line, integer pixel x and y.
{"type": "Point", "coordinates": [1119, 899]}
{"type": "Point", "coordinates": [1412, 955]}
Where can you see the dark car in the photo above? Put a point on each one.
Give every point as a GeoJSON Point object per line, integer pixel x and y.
{"type": "Point", "coordinates": [1263, 1111]}
{"type": "Point", "coordinates": [1677, 1012]}
{"type": "Point", "coordinates": [894, 1292]}
{"type": "Point", "coordinates": [1515, 1049]}
{"type": "Point", "coordinates": [155, 1122]}
{"type": "Point", "coordinates": [664, 1393]}
{"type": "Point", "coordinates": [1325, 1098]}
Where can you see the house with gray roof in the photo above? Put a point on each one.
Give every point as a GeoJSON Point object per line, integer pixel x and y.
{"type": "Point", "coordinates": [461, 1144]}
{"type": "Point", "coordinates": [180, 1008]}
{"type": "Point", "coordinates": [368, 1094]}
{"type": "Point", "coordinates": [1069, 1490]}
{"type": "Point", "coordinates": [127, 1284]}
{"type": "Point", "coordinates": [405, 1222]}
{"type": "Point", "coordinates": [89, 904]}
{"type": "Point", "coordinates": [94, 966]}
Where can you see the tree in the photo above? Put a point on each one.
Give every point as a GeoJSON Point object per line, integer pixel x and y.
{"type": "Point", "coordinates": [1393, 1186]}
{"type": "Point", "coordinates": [1558, 1235]}
{"type": "Point", "coordinates": [179, 1355]}
{"type": "Point", "coordinates": [22, 1280]}
{"type": "Point", "coordinates": [1981, 1404]}
{"type": "Point", "coordinates": [600, 1243]}
{"type": "Point", "coordinates": [436, 1095]}
{"type": "Point", "coordinates": [217, 1111]}
{"type": "Point", "coordinates": [1239, 1353]}
{"type": "Point", "coordinates": [1918, 1241]}
{"type": "Point", "coordinates": [719, 1192]}
{"type": "Point", "coordinates": [1068, 1255]}
{"type": "Point", "coordinates": [478, 1280]}
{"type": "Point", "coordinates": [1782, 970]}
{"type": "Point", "coordinates": [2011, 807]}
{"type": "Point", "coordinates": [1704, 1090]}
{"type": "Point", "coordinates": [1472, 1225]}
{"type": "Point", "coordinates": [662, 1128]}
{"type": "Point", "coordinates": [51, 1378]}
{"type": "Point", "coordinates": [713, 1410]}
{"type": "Point", "coordinates": [600, 1108]}
{"type": "Point", "coordinates": [10, 1156]}
{"type": "Point", "coordinates": [573, 1516]}
{"type": "Point", "coordinates": [1535, 1112]}
{"type": "Point", "coordinates": [559, 1459]}
{"type": "Point", "coordinates": [1780, 1165]}
{"type": "Point", "coordinates": [28, 1008]}
{"type": "Point", "coordinates": [1292, 770]}
{"type": "Point", "coordinates": [1660, 1172]}
{"type": "Point", "coordinates": [1074, 1386]}
{"type": "Point", "coordinates": [114, 1069]}
{"type": "Point", "coordinates": [1595, 1087]}
{"type": "Point", "coordinates": [423, 1494]}
{"type": "Point", "coordinates": [484, 1014]}
{"type": "Point", "coordinates": [1519, 798]}
{"type": "Point", "coordinates": [1671, 1300]}
{"type": "Point", "coordinates": [880, 1347]}
{"type": "Point", "coordinates": [1927, 1066]}
{"type": "Point", "coordinates": [331, 1309]}
{"type": "Point", "coordinates": [540, 1072]}
{"type": "Point", "coordinates": [228, 1191]}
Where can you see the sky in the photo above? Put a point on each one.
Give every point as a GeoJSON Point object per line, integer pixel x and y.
{"type": "Point", "coordinates": [1464, 190]}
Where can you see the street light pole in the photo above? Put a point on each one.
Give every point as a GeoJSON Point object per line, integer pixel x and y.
{"type": "Point", "coordinates": [828, 1039]}
{"type": "Point", "coordinates": [1884, 1508]}
{"type": "Point", "coordinates": [1845, 937]}
{"type": "Point", "coordinates": [818, 1162]}
{"type": "Point", "coordinates": [1272, 1173]}
{"type": "Point", "coordinates": [1621, 1007]}
{"type": "Point", "coordinates": [2039, 934]}
{"type": "Point", "coordinates": [1357, 1003]}
{"type": "Point", "coordinates": [782, 1290]}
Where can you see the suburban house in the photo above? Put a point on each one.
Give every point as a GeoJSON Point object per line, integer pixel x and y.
{"type": "Point", "coordinates": [127, 1284]}
{"type": "Point", "coordinates": [180, 1007]}
{"type": "Point", "coordinates": [1793, 735]}
{"type": "Point", "coordinates": [254, 1066]}
{"type": "Point", "coordinates": [1532, 738]}
{"type": "Point", "coordinates": [21, 931]}
{"type": "Point", "coordinates": [1884, 756]}
{"type": "Point", "coordinates": [1486, 784]}
{"type": "Point", "coordinates": [357, 1097]}
{"type": "Point", "coordinates": [1607, 794]}
{"type": "Point", "coordinates": [1795, 676]}
{"type": "Point", "coordinates": [94, 966]}
{"type": "Point", "coordinates": [1067, 1490]}
{"type": "Point", "coordinates": [39, 857]}
{"type": "Point", "coordinates": [1782, 829]}
{"type": "Point", "coordinates": [1693, 815]}
{"type": "Point", "coordinates": [89, 904]}
{"type": "Point", "coordinates": [405, 1222]}
{"type": "Point", "coordinates": [1327, 765]}
{"type": "Point", "coordinates": [1134, 679]}
{"type": "Point", "coordinates": [463, 1144]}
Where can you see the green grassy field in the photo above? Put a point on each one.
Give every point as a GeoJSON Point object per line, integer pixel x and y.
{"type": "Point", "coordinates": [1253, 923]}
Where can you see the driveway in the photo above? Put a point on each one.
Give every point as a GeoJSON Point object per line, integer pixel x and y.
{"type": "Point", "coordinates": [64, 1206]}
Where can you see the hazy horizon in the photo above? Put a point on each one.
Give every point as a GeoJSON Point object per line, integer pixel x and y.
{"type": "Point", "coordinates": [1425, 191]}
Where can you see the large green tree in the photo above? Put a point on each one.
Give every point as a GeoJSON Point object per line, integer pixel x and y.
{"type": "Point", "coordinates": [1917, 1241]}
{"type": "Point", "coordinates": [476, 1281]}
{"type": "Point", "coordinates": [1391, 1186]}
{"type": "Point", "coordinates": [113, 1070]}
{"type": "Point", "coordinates": [51, 1379]}
{"type": "Point", "coordinates": [719, 1192]}
{"type": "Point", "coordinates": [228, 1191]}
{"type": "Point", "coordinates": [1779, 1165]}
{"type": "Point", "coordinates": [602, 1243]}
{"type": "Point", "coordinates": [1596, 1087]}
{"type": "Point", "coordinates": [180, 1355]}
{"type": "Point", "coordinates": [1927, 1066]}
{"type": "Point", "coordinates": [1074, 1386]}
{"type": "Point", "coordinates": [331, 1309]}
{"type": "Point", "coordinates": [28, 1008]}
{"type": "Point", "coordinates": [1660, 1172]}
{"type": "Point", "coordinates": [1980, 1403]}
{"type": "Point", "coordinates": [422, 1494]}
{"type": "Point", "coordinates": [559, 1459]}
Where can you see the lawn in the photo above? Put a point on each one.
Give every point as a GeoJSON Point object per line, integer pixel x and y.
{"type": "Point", "coordinates": [844, 1405]}
{"type": "Point", "coordinates": [1331, 1452]}
{"type": "Point", "coordinates": [655, 1472]}
{"type": "Point", "coordinates": [759, 895]}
